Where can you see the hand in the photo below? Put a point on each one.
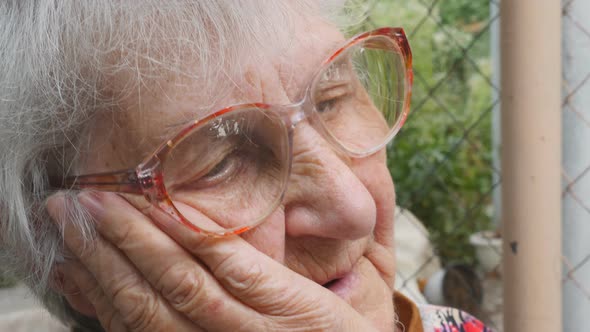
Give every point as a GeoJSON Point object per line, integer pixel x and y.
{"type": "Point", "coordinates": [143, 274]}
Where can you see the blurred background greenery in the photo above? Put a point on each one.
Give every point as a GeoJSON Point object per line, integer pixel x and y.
{"type": "Point", "coordinates": [441, 161]}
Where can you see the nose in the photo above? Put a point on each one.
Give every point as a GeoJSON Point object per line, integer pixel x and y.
{"type": "Point", "coordinates": [325, 198]}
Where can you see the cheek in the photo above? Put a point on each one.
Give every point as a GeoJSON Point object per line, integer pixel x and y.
{"type": "Point", "coordinates": [269, 237]}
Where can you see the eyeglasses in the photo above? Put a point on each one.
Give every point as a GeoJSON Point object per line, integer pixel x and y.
{"type": "Point", "coordinates": [227, 172]}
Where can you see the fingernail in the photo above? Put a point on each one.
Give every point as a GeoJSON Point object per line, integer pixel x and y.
{"type": "Point", "coordinates": [56, 207]}
{"type": "Point", "coordinates": [59, 258]}
{"type": "Point", "coordinates": [70, 288]}
{"type": "Point", "coordinates": [58, 278]}
{"type": "Point", "coordinates": [91, 202]}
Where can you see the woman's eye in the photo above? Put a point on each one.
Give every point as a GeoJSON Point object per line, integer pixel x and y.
{"type": "Point", "coordinates": [222, 171]}
{"type": "Point", "coordinates": [325, 106]}
{"type": "Point", "coordinates": [332, 94]}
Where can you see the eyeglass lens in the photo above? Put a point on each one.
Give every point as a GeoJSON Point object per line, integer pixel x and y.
{"type": "Point", "coordinates": [360, 96]}
{"type": "Point", "coordinates": [231, 172]}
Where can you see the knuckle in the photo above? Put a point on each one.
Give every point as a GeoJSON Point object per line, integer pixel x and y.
{"type": "Point", "coordinates": [136, 302]}
{"type": "Point", "coordinates": [93, 292]}
{"type": "Point", "coordinates": [184, 288]}
{"type": "Point", "coordinates": [247, 279]}
{"type": "Point", "coordinates": [86, 249]}
{"type": "Point", "coordinates": [143, 318]}
{"type": "Point", "coordinates": [108, 320]}
{"type": "Point", "coordinates": [122, 285]}
{"type": "Point", "coordinates": [122, 235]}
{"type": "Point", "coordinates": [179, 283]}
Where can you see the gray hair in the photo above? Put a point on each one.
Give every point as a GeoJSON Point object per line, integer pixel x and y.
{"type": "Point", "coordinates": [55, 59]}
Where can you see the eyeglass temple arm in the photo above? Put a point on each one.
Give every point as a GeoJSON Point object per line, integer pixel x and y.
{"type": "Point", "coordinates": [120, 181]}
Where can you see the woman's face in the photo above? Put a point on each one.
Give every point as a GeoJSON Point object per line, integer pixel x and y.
{"type": "Point", "coordinates": [335, 224]}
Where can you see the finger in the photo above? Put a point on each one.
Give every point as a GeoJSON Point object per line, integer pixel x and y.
{"type": "Point", "coordinates": [138, 305]}
{"type": "Point", "coordinates": [174, 273]}
{"type": "Point", "coordinates": [107, 315]}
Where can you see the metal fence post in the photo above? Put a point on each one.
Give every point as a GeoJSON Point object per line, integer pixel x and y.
{"type": "Point", "coordinates": [531, 160]}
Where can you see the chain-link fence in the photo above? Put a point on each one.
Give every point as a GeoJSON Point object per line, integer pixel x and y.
{"type": "Point", "coordinates": [576, 164]}
{"type": "Point", "coordinates": [445, 165]}
{"type": "Point", "coordinates": [442, 160]}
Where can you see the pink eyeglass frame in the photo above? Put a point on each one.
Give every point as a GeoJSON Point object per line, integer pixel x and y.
{"type": "Point", "coordinates": [147, 178]}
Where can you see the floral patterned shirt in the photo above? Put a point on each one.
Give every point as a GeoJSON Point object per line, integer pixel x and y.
{"type": "Point", "coordinates": [430, 318]}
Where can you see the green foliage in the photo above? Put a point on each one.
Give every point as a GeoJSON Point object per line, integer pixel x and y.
{"type": "Point", "coordinates": [464, 11]}
{"type": "Point", "coordinates": [441, 160]}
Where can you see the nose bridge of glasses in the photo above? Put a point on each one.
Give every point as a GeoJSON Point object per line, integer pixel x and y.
{"type": "Point", "coordinates": [294, 113]}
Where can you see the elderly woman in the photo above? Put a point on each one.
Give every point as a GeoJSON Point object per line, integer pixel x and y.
{"type": "Point", "coordinates": [198, 165]}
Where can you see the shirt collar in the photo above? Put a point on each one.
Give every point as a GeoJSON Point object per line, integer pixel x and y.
{"type": "Point", "coordinates": [408, 313]}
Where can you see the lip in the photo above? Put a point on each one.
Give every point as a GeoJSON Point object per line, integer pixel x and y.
{"type": "Point", "coordinates": [344, 286]}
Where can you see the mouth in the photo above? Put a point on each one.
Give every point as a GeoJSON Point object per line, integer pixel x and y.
{"type": "Point", "coordinates": [330, 283]}
{"type": "Point", "coordinates": [344, 285]}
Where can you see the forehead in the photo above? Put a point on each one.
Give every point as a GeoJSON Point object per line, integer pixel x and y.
{"type": "Point", "coordinates": [158, 110]}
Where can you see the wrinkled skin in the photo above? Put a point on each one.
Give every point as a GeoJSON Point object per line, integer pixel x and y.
{"type": "Point", "coordinates": [147, 273]}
